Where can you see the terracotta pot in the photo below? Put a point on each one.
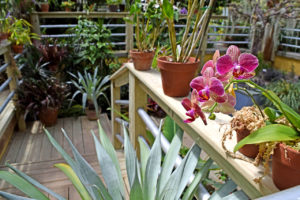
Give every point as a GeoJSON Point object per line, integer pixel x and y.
{"type": "Point", "coordinates": [45, 7]}
{"type": "Point", "coordinates": [286, 167]}
{"type": "Point", "coordinates": [249, 150]}
{"type": "Point", "coordinates": [4, 36]}
{"type": "Point", "coordinates": [48, 116]}
{"type": "Point", "coordinates": [67, 9]}
{"type": "Point", "coordinates": [91, 114]}
{"type": "Point", "coordinates": [176, 77]}
{"type": "Point", "coordinates": [113, 8]}
{"type": "Point", "coordinates": [142, 60]}
{"type": "Point", "coordinates": [17, 48]}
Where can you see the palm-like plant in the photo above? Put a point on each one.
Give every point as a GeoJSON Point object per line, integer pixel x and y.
{"type": "Point", "coordinates": [147, 178]}
{"type": "Point", "coordinates": [91, 87]}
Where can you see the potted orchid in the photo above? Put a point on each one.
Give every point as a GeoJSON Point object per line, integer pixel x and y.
{"type": "Point", "coordinates": [281, 131]}
{"type": "Point", "coordinates": [149, 24]}
{"type": "Point", "coordinates": [67, 5]}
{"type": "Point", "coordinates": [179, 69]}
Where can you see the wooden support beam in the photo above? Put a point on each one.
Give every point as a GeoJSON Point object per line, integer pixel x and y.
{"type": "Point", "coordinates": [129, 36]}
{"type": "Point", "coordinates": [115, 126]}
{"type": "Point", "coordinates": [35, 21]}
{"type": "Point", "coordinates": [137, 99]}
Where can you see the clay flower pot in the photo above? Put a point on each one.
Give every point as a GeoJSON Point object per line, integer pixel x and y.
{"type": "Point", "coordinates": [176, 77]}
{"type": "Point", "coordinates": [45, 7]}
{"type": "Point", "coordinates": [142, 60]}
{"type": "Point", "coordinates": [17, 48]}
{"type": "Point", "coordinates": [91, 114]}
{"type": "Point", "coordinates": [4, 36]}
{"type": "Point", "coordinates": [67, 9]}
{"type": "Point", "coordinates": [249, 150]}
{"type": "Point", "coordinates": [285, 167]}
{"type": "Point", "coordinates": [48, 116]}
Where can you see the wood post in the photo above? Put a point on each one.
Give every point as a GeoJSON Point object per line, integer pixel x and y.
{"type": "Point", "coordinates": [35, 21]}
{"type": "Point", "coordinates": [115, 126]}
{"type": "Point", "coordinates": [137, 99]}
{"type": "Point", "coordinates": [129, 35]}
{"type": "Point", "coordinates": [14, 73]}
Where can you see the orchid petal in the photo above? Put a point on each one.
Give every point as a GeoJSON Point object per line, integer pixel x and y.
{"type": "Point", "coordinates": [194, 97]}
{"type": "Point", "coordinates": [200, 113]}
{"type": "Point", "coordinates": [248, 61]}
{"type": "Point", "coordinates": [208, 69]}
{"type": "Point", "coordinates": [189, 120]}
{"type": "Point", "coordinates": [234, 52]}
{"type": "Point", "coordinates": [220, 99]}
{"type": "Point", "coordinates": [224, 64]}
{"type": "Point", "coordinates": [203, 94]}
{"type": "Point", "coordinates": [216, 56]}
{"type": "Point", "coordinates": [198, 83]}
{"type": "Point", "coordinates": [231, 100]}
{"type": "Point", "coordinates": [186, 103]}
{"type": "Point", "coordinates": [216, 86]}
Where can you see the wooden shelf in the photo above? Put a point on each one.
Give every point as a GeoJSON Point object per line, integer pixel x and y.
{"type": "Point", "coordinates": [207, 137]}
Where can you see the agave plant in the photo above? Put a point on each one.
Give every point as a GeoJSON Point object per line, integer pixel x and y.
{"type": "Point", "coordinates": [90, 87]}
{"type": "Point", "coordinates": [147, 178]}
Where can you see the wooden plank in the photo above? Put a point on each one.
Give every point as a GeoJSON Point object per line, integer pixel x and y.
{"type": "Point", "coordinates": [106, 125]}
{"type": "Point", "coordinates": [121, 80]}
{"type": "Point", "coordinates": [5, 138]}
{"type": "Point", "coordinates": [46, 145]}
{"type": "Point", "coordinates": [115, 126]}
{"type": "Point", "coordinates": [68, 127]}
{"type": "Point", "coordinates": [73, 194]}
{"type": "Point", "coordinates": [25, 147]}
{"type": "Point", "coordinates": [137, 99]}
{"type": "Point", "coordinates": [62, 14]}
{"type": "Point", "coordinates": [58, 136]}
{"type": "Point", "coordinates": [129, 35]}
{"type": "Point", "coordinates": [36, 147]}
{"type": "Point", "coordinates": [35, 22]}
{"type": "Point", "coordinates": [87, 126]}
{"type": "Point", "coordinates": [207, 137]}
{"type": "Point", "coordinates": [77, 135]}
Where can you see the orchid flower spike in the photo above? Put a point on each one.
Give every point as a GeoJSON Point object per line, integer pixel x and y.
{"type": "Point", "coordinates": [241, 66]}
{"type": "Point", "coordinates": [193, 109]}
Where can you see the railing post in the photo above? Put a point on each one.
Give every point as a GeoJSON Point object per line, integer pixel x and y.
{"type": "Point", "coordinates": [14, 73]}
{"type": "Point", "coordinates": [35, 21]}
{"type": "Point", "coordinates": [129, 35]}
{"type": "Point", "coordinates": [115, 126]}
{"type": "Point", "coordinates": [137, 99]}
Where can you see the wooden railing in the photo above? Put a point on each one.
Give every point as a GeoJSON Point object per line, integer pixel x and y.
{"type": "Point", "coordinates": [207, 137]}
{"type": "Point", "coordinates": [9, 115]}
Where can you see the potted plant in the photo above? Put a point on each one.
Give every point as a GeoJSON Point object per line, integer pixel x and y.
{"type": "Point", "coordinates": [44, 5]}
{"type": "Point", "coordinates": [21, 34]}
{"type": "Point", "coordinates": [280, 131]}
{"type": "Point", "coordinates": [52, 54]}
{"type": "Point", "coordinates": [41, 95]}
{"type": "Point", "coordinates": [113, 5]}
{"type": "Point", "coordinates": [179, 69]}
{"type": "Point", "coordinates": [67, 5]}
{"type": "Point", "coordinates": [149, 24]}
{"type": "Point", "coordinates": [5, 25]}
{"type": "Point", "coordinates": [91, 87]}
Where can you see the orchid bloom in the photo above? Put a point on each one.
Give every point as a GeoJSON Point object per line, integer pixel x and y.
{"type": "Point", "coordinates": [209, 86]}
{"type": "Point", "coordinates": [193, 109]}
{"type": "Point", "coordinates": [241, 66]}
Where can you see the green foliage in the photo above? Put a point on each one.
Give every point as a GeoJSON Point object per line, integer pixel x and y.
{"type": "Point", "coordinates": [149, 24]}
{"type": "Point", "coordinates": [68, 4]}
{"type": "Point", "coordinates": [148, 179]}
{"type": "Point", "coordinates": [288, 92]}
{"type": "Point", "coordinates": [113, 2]}
{"type": "Point", "coordinates": [91, 45]}
{"type": "Point", "coordinates": [262, 64]}
{"type": "Point", "coordinates": [91, 87]}
{"type": "Point", "coordinates": [20, 32]}
{"type": "Point", "coordinates": [170, 128]}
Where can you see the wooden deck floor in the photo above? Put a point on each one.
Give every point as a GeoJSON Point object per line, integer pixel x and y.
{"type": "Point", "coordinates": [34, 155]}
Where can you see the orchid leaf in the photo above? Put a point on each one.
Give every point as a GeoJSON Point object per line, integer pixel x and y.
{"type": "Point", "coordinates": [270, 133]}
{"type": "Point", "coordinates": [167, 9]}
{"type": "Point", "coordinates": [271, 113]}
{"type": "Point", "coordinates": [292, 116]}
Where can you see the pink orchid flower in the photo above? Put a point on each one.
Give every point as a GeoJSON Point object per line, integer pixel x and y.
{"type": "Point", "coordinates": [226, 107]}
{"type": "Point", "coordinates": [242, 65]}
{"type": "Point", "coordinates": [193, 109]}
